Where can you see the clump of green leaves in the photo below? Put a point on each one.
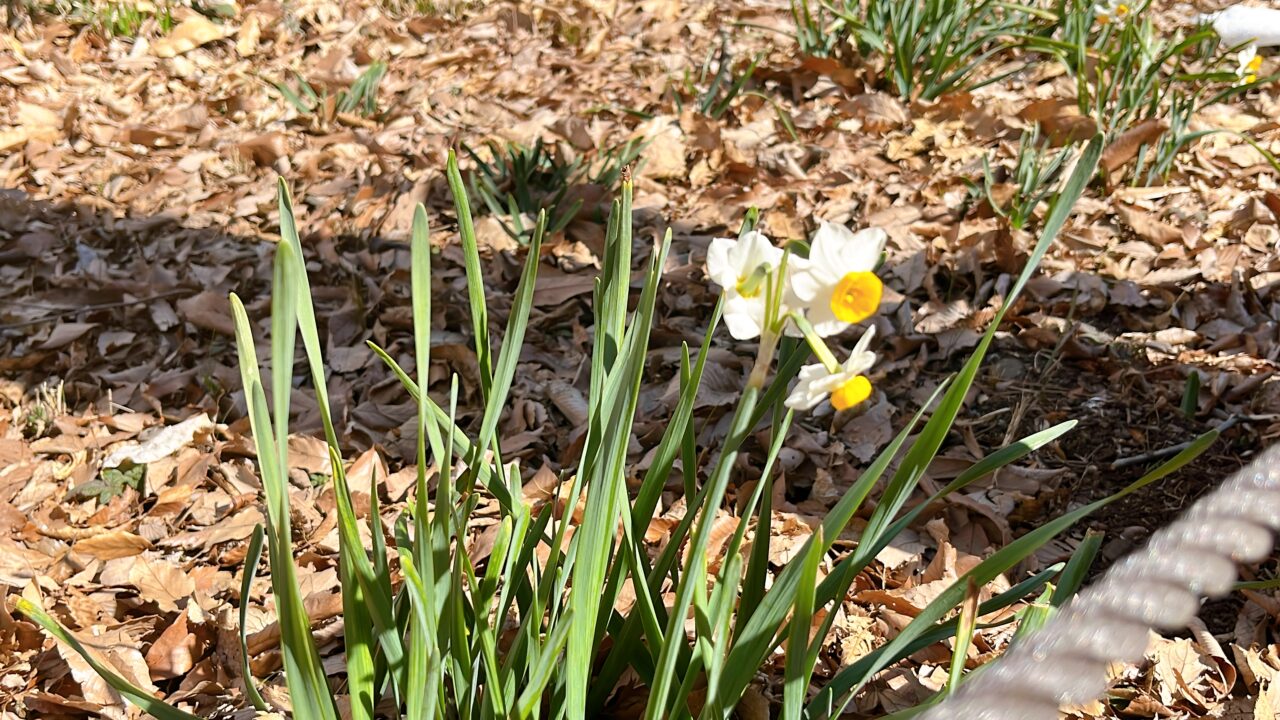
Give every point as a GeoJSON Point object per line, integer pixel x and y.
{"type": "Point", "coordinates": [111, 19]}
{"type": "Point", "coordinates": [533, 628]}
{"type": "Point", "coordinates": [928, 47]}
{"type": "Point", "coordinates": [720, 80]}
{"type": "Point", "coordinates": [360, 98]}
{"type": "Point", "coordinates": [1139, 84]}
{"type": "Point", "coordinates": [1015, 193]}
{"type": "Point", "coordinates": [451, 9]}
{"type": "Point", "coordinates": [515, 182]}
{"type": "Point", "coordinates": [37, 416]}
{"type": "Point", "coordinates": [1133, 71]}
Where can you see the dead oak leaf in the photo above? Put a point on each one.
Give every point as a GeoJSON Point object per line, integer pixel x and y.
{"type": "Point", "coordinates": [209, 310]}
{"type": "Point", "coordinates": [1180, 670]}
{"type": "Point", "coordinates": [161, 582]}
{"type": "Point", "coordinates": [1125, 147]}
{"type": "Point", "coordinates": [1148, 227]}
{"type": "Point", "coordinates": [310, 454]}
{"type": "Point", "coordinates": [174, 653]}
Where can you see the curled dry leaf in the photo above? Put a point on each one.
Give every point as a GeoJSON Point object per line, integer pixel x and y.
{"type": "Point", "coordinates": [187, 36]}
{"type": "Point", "coordinates": [1125, 147]}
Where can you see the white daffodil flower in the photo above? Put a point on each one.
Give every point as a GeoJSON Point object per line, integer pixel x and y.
{"type": "Point", "coordinates": [837, 286]}
{"type": "Point", "coordinates": [847, 386]}
{"type": "Point", "coordinates": [1111, 11]}
{"type": "Point", "coordinates": [1250, 64]}
{"type": "Point", "coordinates": [741, 267]}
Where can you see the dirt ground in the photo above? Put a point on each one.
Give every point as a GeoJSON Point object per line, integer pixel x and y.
{"type": "Point", "coordinates": [137, 189]}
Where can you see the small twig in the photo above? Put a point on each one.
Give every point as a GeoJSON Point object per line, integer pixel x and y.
{"type": "Point", "coordinates": [1169, 451]}
{"type": "Point", "coordinates": [91, 308]}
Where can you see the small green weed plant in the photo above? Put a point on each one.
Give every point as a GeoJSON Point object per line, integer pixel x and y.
{"type": "Point", "coordinates": [1036, 174]}
{"type": "Point", "coordinates": [515, 182]}
{"type": "Point", "coordinates": [1142, 85]}
{"type": "Point", "coordinates": [361, 98]}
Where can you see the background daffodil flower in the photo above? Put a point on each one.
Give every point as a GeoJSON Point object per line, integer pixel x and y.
{"type": "Point", "coordinates": [1111, 11]}
{"type": "Point", "coordinates": [1250, 65]}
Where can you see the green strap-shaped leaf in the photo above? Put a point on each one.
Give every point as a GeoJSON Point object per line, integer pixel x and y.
{"type": "Point", "coordinates": [149, 704]}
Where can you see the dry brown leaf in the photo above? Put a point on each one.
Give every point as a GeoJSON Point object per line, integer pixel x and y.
{"type": "Point", "coordinates": [190, 34]}
{"type": "Point", "coordinates": [664, 152]}
{"type": "Point", "coordinates": [1147, 226]}
{"type": "Point", "coordinates": [161, 582]}
{"type": "Point", "coordinates": [1180, 670]}
{"type": "Point", "coordinates": [208, 310]}
{"type": "Point", "coordinates": [173, 654]}
{"type": "Point", "coordinates": [265, 150]}
{"type": "Point", "coordinates": [1125, 147]}
{"type": "Point", "coordinates": [310, 454]}
{"type": "Point", "coordinates": [116, 648]}
{"type": "Point", "coordinates": [113, 544]}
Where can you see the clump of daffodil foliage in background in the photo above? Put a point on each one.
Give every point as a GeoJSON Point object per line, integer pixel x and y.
{"type": "Point", "coordinates": [535, 628]}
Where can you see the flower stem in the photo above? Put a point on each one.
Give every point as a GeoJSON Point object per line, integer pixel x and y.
{"type": "Point", "coordinates": [816, 343]}
{"type": "Point", "coordinates": [764, 359]}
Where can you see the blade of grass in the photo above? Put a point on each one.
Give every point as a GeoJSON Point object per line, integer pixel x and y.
{"type": "Point", "coordinates": [308, 687]}
{"type": "Point", "coordinates": [968, 623]}
{"type": "Point", "coordinates": [797, 672]}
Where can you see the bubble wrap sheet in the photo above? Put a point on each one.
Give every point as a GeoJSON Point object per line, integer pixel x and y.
{"type": "Point", "coordinates": [1158, 587]}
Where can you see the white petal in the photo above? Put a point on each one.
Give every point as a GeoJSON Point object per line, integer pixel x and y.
{"type": "Point", "coordinates": [720, 267]}
{"type": "Point", "coordinates": [800, 400]}
{"type": "Point", "coordinates": [744, 316]}
{"type": "Point", "coordinates": [861, 252]}
{"type": "Point", "coordinates": [827, 251]}
{"type": "Point", "coordinates": [832, 382]}
{"type": "Point", "coordinates": [810, 374]}
{"type": "Point", "coordinates": [864, 342]}
{"type": "Point", "coordinates": [824, 319]}
{"type": "Point", "coordinates": [1246, 55]}
{"type": "Point", "coordinates": [755, 249]}
{"type": "Point", "coordinates": [802, 396]}
{"type": "Point", "coordinates": [806, 286]}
